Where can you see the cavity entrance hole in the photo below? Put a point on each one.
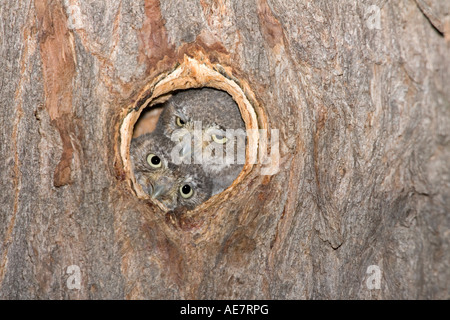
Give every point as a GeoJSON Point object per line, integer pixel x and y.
{"type": "Point", "coordinates": [141, 117]}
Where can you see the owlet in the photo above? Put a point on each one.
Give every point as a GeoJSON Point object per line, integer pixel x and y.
{"type": "Point", "coordinates": [207, 126]}
{"type": "Point", "coordinates": [173, 185]}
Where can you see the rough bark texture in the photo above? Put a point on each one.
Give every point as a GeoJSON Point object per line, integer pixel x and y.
{"type": "Point", "coordinates": [358, 89]}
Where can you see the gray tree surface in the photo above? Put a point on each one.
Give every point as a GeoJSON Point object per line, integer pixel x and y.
{"type": "Point", "coordinates": [360, 205]}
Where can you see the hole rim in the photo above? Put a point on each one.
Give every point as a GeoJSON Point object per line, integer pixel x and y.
{"type": "Point", "coordinates": [193, 74]}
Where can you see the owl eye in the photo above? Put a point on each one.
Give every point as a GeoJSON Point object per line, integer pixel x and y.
{"type": "Point", "coordinates": [186, 191]}
{"type": "Point", "coordinates": [180, 122]}
{"type": "Point", "coordinates": [154, 161]}
{"type": "Point", "coordinates": [219, 138]}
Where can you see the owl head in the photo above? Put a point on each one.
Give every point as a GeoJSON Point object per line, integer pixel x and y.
{"type": "Point", "coordinates": [173, 185]}
{"type": "Point", "coordinates": [208, 124]}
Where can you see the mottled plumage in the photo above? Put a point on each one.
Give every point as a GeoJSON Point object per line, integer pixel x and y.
{"type": "Point", "coordinates": [216, 131]}
{"type": "Point", "coordinates": [161, 179]}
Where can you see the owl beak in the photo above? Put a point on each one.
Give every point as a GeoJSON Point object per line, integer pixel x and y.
{"type": "Point", "coordinates": [186, 150]}
{"type": "Point", "coordinates": [158, 190]}
{"type": "Point", "coordinates": [161, 187]}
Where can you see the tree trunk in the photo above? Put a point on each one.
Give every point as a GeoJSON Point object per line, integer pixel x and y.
{"type": "Point", "coordinates": [358, 208]}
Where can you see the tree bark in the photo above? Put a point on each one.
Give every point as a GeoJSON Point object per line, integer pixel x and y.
{"type": "Point", "coordinates": [359, 208]}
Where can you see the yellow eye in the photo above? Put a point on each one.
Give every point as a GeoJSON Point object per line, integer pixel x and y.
{"type": "Point", "coordinates": [186, 191]}
{"type": "Point", "coordinates": [180, 122]}
{"type": "Point", "coordinates": [219, 139]}
{"type": "Point", "coordinates": [154, 161]}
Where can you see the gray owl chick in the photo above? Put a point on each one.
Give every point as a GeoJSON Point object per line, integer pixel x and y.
{"type": "Point", "coordinates": [174, 185]}
{"type": "Point", "coordinates": [208, 124]}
